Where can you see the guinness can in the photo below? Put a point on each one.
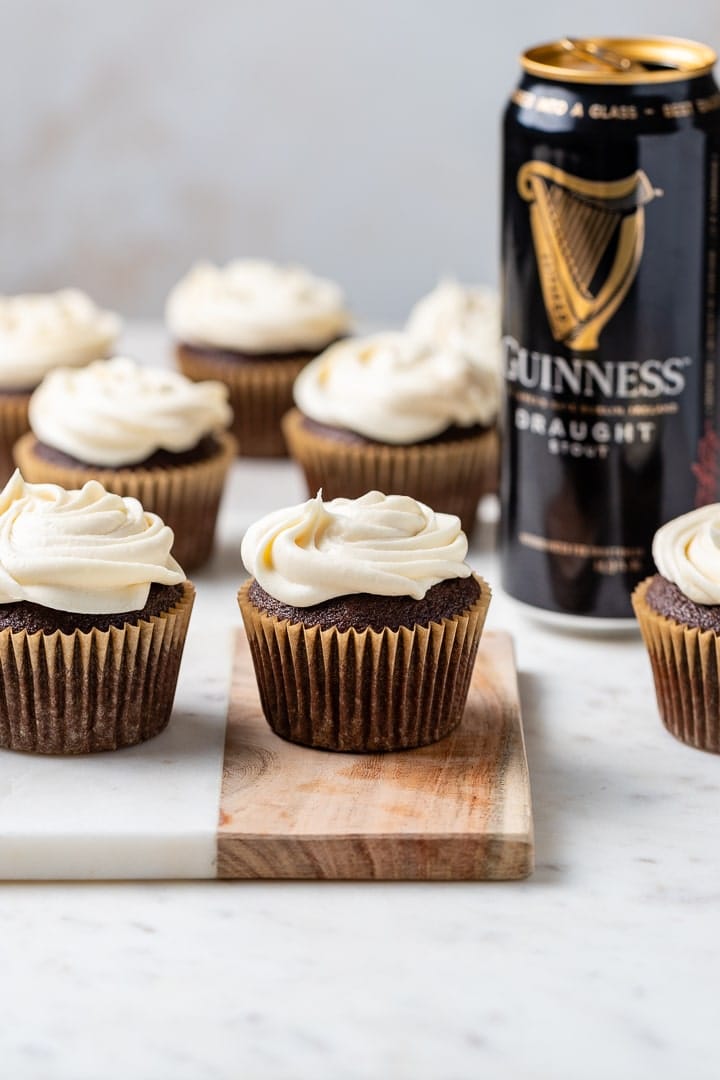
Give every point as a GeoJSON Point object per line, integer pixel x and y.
{"type": "Point", "coordinates": [611, 271]}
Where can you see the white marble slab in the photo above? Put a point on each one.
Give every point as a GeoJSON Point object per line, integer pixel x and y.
{"type": "Point", "coordinates": [146, 812]}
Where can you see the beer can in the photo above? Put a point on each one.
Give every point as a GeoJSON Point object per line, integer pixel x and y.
{"type": "Point", "coordinates": [611, 253]}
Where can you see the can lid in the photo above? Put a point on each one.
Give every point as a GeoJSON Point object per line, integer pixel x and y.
{"type": "Point", "coordinates": [619, 60]}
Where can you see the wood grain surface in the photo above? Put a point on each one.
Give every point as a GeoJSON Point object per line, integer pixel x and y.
{"type": "Point", "coordinates": [457, 810]}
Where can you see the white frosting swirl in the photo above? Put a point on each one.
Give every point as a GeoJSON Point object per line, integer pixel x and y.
{"type": "Point", "coordinates": [462, 317]}
{"type": "Point", "coordinates": [687, 552]}
{"type": "Point", "coordinates": [386, 545]}
{"type": "Point", "coordinates": [394, 389]}
{"type": "Point", "coordinates": [256, 306]}
{"type": "Point", "coordinates": [117, 412]}
{"type": "Point", "coordinates": [87, 551]}
{"type": "Point", "coordinates": [41, 332]}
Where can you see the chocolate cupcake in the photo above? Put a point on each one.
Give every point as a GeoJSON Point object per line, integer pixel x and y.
{"type": "Point", "coordinates": [679, 614]}
{"type": "Point", "coordinates": [466, 319]}
{"type": "Point", "coordinates": [363, 621]}
{"type": "Point", "coordinates": [93, 617]}
{"type": "Point", "coordinates": [38, 333]}
{"type": "Point", "coordinates": [254, 325]}
{"type": "Point", "coordinates": [388, 413]}
{"type": "Point", "coordinates": [143, 432]}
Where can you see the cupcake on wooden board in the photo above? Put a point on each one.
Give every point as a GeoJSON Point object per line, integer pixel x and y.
{"type": "Point", "coordinates": [679, 614]}
{"type": "Point", "coordinates": [390, 413]}
{"type": "Point", "coordinates": [38, 333]}
{"type": "Point", "coordinates": [254, 325]}
{"type": "Point", "coordinates": [93, 616]}
{"type": "Point", "coordinates": [145, 432]}
{"type": "Point", "coordinates": [465, 318]}
{"type": "Point", "coordinates": [363, 620]}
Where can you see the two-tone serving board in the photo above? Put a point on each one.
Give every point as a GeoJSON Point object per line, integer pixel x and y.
{"type": "Point", "coordinates": [181, 806]}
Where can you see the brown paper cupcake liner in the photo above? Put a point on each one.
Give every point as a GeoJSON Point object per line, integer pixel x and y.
{"type": "Point", "coordinates": [260, 395]}
{"type": "Point", "coordinates": [363, 691]}
{"type": "Point", "coordinates": [13, 423]}
{"type": "Point", "coordinates": [81, 693]}
{"type": "Point", "coordinates": [449, 476]}
{"type": "Point", "coordinates": [686, 669]}
{"type": "Point", "coordinates": [186, 497]}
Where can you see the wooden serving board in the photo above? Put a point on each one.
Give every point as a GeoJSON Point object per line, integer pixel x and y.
{"type": "Point", "coordinates": [457, 810]}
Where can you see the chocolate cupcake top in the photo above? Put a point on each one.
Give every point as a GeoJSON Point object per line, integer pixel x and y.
{"type": "Point", "coordinates": [117, 412]}
{"type": "Point", "coordinates": [85, 551]}
{"type": "Point", "coordinates": [382, 545]}
{"type": "Point", "coordinates": [391, 388]}
{"type": "Point", "coordinates": [255, 306]}
{"type": "Point", "coordinates": [39, 332]}
{"type": "Point", "coordinates": [460, 317]}
{"type": "Point", "coordinates": [687, 553]}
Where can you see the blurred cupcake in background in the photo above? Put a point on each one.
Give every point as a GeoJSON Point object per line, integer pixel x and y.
{"type": "Point", "coordinates": [39, 332]}
{"type": "Point", "coordinates": [144, 432]}
{"type": "Point", "coordinates": [254, 325]}
{"type": "Point", "coordinates": [467, 319]}
{"type": "Point", "coordinates": [390, 413]}
{"type": "Point", "coordinates": [463, 317]}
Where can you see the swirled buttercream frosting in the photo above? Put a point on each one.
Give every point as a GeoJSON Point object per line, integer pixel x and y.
{"type": "Point", "coordinates": [463, 317]}
{"type": "Point", "coordinates": [256, 306]}
{"type": "Point", "coordinates": [40, 332]}
{"type": "Point", "coordinates": [687, 552]}
{"type": "Point", "coordinates": [86, 551]}
{"type": "Point", "coordinates": [394, 389]}
{"type": "Point", "coordinates": [385, 545]}
{"type": "Point", "coordinates": [118, 412]}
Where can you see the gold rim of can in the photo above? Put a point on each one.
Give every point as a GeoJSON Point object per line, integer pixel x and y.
{"type": "Point", "coordinates": [619, 61]}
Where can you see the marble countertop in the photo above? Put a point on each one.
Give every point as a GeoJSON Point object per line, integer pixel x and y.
{"type": "Point", "coordinates": [603, 964]}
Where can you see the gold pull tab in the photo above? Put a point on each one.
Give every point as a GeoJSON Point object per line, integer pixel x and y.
{"type": "Point", "coordinates": [597, 54]}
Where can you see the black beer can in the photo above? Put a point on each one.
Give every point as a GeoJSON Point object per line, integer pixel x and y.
{"type": "Point", "coordinates": [611, 297]}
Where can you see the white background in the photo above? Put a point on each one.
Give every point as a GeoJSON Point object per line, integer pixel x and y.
{"type": "Point", "coordinates": [358, 136]}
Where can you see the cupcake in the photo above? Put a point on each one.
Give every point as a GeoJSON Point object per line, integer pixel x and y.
{"type": "Point", "coordinates": [144, 432]}
{"type": "Point", "coordinates": [363, 621]}
{"type": "Point", "coordinates": [679, 614]}
{"type": "Point", "coordinates": [465, 318]}
{"type": "Point", "coordinates": [462, 317]}
{"type": "Point", "coordinates": [37, 334]}
{"type": "Point", "coordinates": [254, 325]}
{"type": "Point", "coordinates": [389, 413]}
{"type": "Point", "coordinates": [93, 617]}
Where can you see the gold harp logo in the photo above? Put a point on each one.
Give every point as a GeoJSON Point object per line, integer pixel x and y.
{"type": "Point", "coordinates": [574, 224]}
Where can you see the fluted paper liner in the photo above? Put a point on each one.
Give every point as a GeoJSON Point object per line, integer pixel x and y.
{"type": "Point", "coordinates": [686, 668]}
{"type": "Point", "coordinates": [83, 692]}
{"type": "Point", "coordinates": [186, 497]}
{"type": "Point", "coordinates": [13, 423]}
{"type": "Point", "coordinates": [363, 690]}
{"type": "Point", "coordinates": [260, 395]}
{"type": "Point", "coordinates": [449, 476]}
